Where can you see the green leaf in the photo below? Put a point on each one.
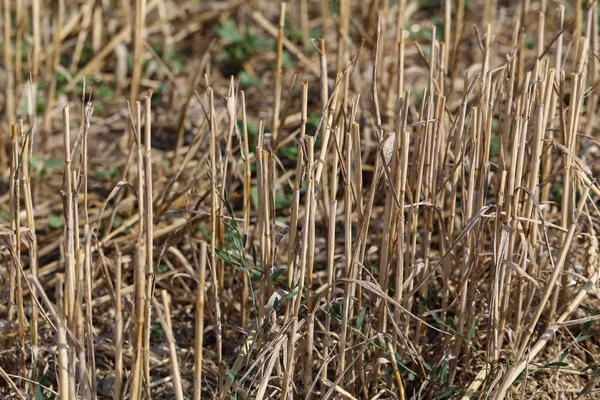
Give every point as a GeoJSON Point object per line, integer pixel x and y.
{"type": "Point", "coordinates": [582, 338]}
{"type": "Point", "coordinates": [156, 329]}
{"type": "Point", "coordinates": [588, 324]}
{"type": "Point", "coordinates": [588, 367]}
{"type": "Point", "coordinates": [442, 371]}
{"type": "Point", "coordinates": [452, 325]}
{"type": "Point", "coordinates": [251, 127]}
{"type": "Point", "coordinates": [237, 241]}
{"type": "Point", "coordinates": [291, 294]}
{"type": "Point", "coordinates": [282, 201]}
{"type": "Point", "coordinates": [254, 196]}
{"type": "Point", "coordinates": [247, 80]}
{"type": "Point", "coordinates": [228, 31]}
{"type": "Point", "coordinates": [40, 105]}
{"type": "Point", "coordinates": [556, 192]}
{"type": "Point", "coordinates": [227, 205]}
{"type": "Point", "coordinates": [427, 366]}
{"type": "Point", "coordinates": [290, 152]}
{"type": "Point", "coordinates": [222, 255]}
{"type": "Point", "coordinates": [55, 222]}
{"type": "Point", "coordinates": [361, 317]}
{"type": "Point", "coordinates": [254, 256]}
{"type": "Point", "coordinates": [256, 275]}
{"type": "Point", "coordinates": [106, 175]}
{"type": "Point", "coordinates": [231, 375]}
{"type": "Point", "coordinates": [334, 7]}
{"type": "Point", "coordinates": [105, 93]}
{"type": "Point", "coordinates": [287, 60]}
{"type": "Point", "coordinates": [277, 273]}
{"type": "Point", "coordinates": [555, 365]}
{"type": "Point", "coordinates": [229, 226]}
{"type": "Point", "coordinates": [162, 268]}
{"type": "Point", "coordinates": [336, 309]}
{"type": "Point", "coordinates": [472, 331]}
{"type": "Point", "coordinates": [564, 354]}
{"type": "Point", "coordinates": [495, 147]}
{"type": "Point", "coordinates": [39, 392]}
{"type": "Point", "coordinates": [313, 121]}
{"type": "Point", "coordinates": [53, 163]}
{"type": "Point", "coordinates": [34, 162]}
{"type": "Point", "coordinates": [447, 392]}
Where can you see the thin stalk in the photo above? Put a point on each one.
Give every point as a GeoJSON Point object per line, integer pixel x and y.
{"type": "Point", "coordinates": [294, 226]}
{"type": "Point", "coordinates": [199, 328]}
{"type": "Point", "coordinates": [556, 271]}
{"type": "Point", "coordinates": [168, 329]}
{"type": "Point", "coordinates": [278, 72]}
{"type": "Point", "coordinates": [299, 282]}
{"type": "Point", "coordinates": [140, 263]}
{"type": "Point", "coordinates": [149, 234]}
{"type": "Point", "coordinates": [246, 204]}
{"type": "Point", "coordinates": [213, 223]}
{"type": "Point", "coordinates": [137, 31]}
{"type": "Point", "coordinates": [63, 353]}
{"type": "Point", "coordinates": [118, 337]}
{"type": "Point", "coordinates": [91, 354]}
{"type": "Point", "coordinates": [33, 247]}
{"type": "Point", "coordinates": [51, 66]}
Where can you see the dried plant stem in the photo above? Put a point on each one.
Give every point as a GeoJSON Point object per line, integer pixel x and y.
{"type": "Point", "coordinates": [91, 355]}
{"type": "Point", "coordinates": [63, 355]}
{"type": "Point", "coordinates": [168, 328]}
{"type": "Point", "coordinates": [299, 280]}
{"type": "Point", "coordinates": [458, 142]}
{"type": "Point", "coordinates": [593, 74]}
{"type": "Point", "coordinates": [278, 71]}
{"type": "Point", "coordinates": [118, 330]}
{"type": "Point", "coordinates": [51, 66]}
{"type": "Point", "coordinates": [11, 384]}
{"type": "Point", "coordinates": [15, 290]}
{"type": "Point", "coordinates": [19, 23]}
{"type": "Point", "coordinates": [232, 121]}
{"type": "Point", "coordinates": [517, 368]}
{"type": "Point", "coordinates": [352, 253]}
{"type": "Point", "coordinates": [344, 23]}
{"type": "Point", "coordinates": [547, 162]}
{"type": "Point", "coordinates": [331, 245]}
{"type": "Point", "coordinates": [402, 155]}
{"type": "Point", "coordinates": [138, 31]}
{"type": "Point", "coordinates": [199, 330]}
{"type": "Point", "coordinates": [304, 22]}
{"type": "Point", "coordinates": [213, 223]}
{"type": "Point", "coordinates": [69, 235]}
{"type": "Point", "coordinates": [460, 234]}
{"type": "Point", "coordinates": [149, 233]}
{"type": "Point", "coordinates": [140, 265]}
{"type": "Point", "coordinates": [32, 247]}
{"type": "Point", "coordinates": [262, 169]}
{"type": "Point", "coordinates": [9, 89]}
{"type": "Point", "coordinates": [185, 109]}
{"type": "Point", "coordinates": [87, 13]}
{"type": "Point", "coordinates": [556, 270]}
{"type": "Point", "coordinates": [35, 54]}
{"type": "Point", "coordinates": [246, 205]}
{"type": "Point", "coordinates": [294, 226]}
{"type": "Point", "coordinates": [310, 329]}
{"type": "Point", "coordinates": [325, 20]}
